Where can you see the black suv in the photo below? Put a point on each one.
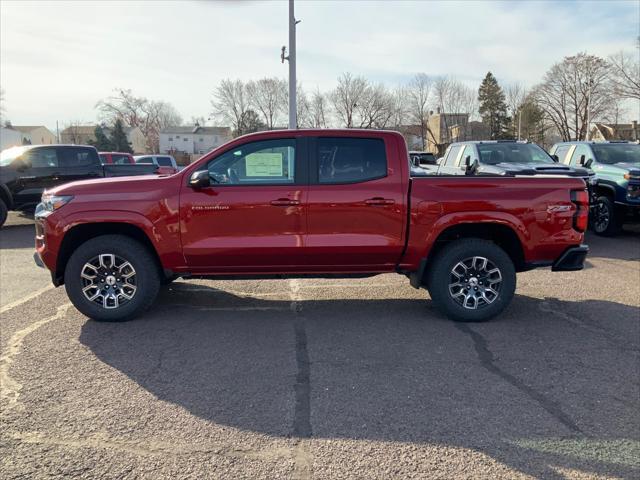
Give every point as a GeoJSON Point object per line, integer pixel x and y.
{"type": "Point", "coordinates": [25, 172]}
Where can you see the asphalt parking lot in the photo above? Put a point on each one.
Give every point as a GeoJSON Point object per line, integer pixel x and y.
{"type": "Point", "coordinates": [323, 378]}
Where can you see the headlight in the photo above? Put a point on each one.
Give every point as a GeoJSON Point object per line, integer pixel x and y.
{"type": "Point", "coordinates": [51, 203]}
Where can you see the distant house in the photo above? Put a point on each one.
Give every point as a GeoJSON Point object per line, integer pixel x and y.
{"type": "Point", "coordinates": [193, 140]}
{"type": "Point", "coordinates": [78, 134]}
{"type": "Point", "coordinates": [9, 138]}
{"type": "Point", "coordinates": [35, 134]}
{"type": "Point", "coordinates": [615, 131]}
{"type": "Point", "coordinates": [446, 128]}
{"type": "Point", "coordinates": [85, 134]}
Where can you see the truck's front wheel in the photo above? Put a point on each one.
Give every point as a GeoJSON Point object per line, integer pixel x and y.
{"type": "Point", "coordinates": [112, 278]}
{"type": "Point", "coordinates": [471, 280]}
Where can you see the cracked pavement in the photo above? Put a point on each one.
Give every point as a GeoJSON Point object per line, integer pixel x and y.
{"type": "Point", "coordinates": [323, 378]}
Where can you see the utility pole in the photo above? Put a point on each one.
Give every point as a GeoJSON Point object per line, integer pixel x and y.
{"type": "Point", "coordinates": [293, 122]}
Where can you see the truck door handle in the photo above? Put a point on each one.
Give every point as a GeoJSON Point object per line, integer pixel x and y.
{"type": "Point", "coordinates": [284, 202]}
{"type": "Point", "coordinates": [379, 201]}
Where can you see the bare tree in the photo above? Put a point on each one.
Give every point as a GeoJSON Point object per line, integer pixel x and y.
{"type": "Point", "coordinates": [457, 102]}
{"type": "Point", "coordinates": [73, 133]}
{"type": "Point", "coordinates": [346, 97]}
{"type": "Point", "coordinates": [515, 94]}
{"type": "Point", "coordinates": [318, 110]}
{"type": "Point", "coordinates": [303, 108]}
{"type": "Point", "coordinates": [149, 115]}
{"type": "Point", "coordinates": [418, 93]}
{"type": "Point", "coordinates": [575, 92]}
{"type": "Point", "coordinates": [268, 96]}
{"type": "Point", "coordinates": [625, 74]}
{"type": "Point", "coordinates": [231, 103]}
{"type": "Point", "coordinates": [375, 109]}
{"type": "Point", "coordinates": [400, 106]}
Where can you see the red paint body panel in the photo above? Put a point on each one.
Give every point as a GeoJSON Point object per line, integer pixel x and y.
{"type": "Point", "coordinates": [329, 228]}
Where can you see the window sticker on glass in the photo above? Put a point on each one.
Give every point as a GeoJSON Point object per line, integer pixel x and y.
{"type": "Point", "coordinates": [264, 165]}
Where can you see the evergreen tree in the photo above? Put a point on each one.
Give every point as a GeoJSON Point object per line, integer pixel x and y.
{"type": "Point", "coordinates": [119, 138]}
{"type": "Point", "coordinates": [493, 107]}
{"type": "Point", "coordinates": [102, 142]}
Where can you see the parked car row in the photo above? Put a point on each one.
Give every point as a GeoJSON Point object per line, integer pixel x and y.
{"type": "Point", "coordinates": [611, 171]}
{"type": "Point", "coordinates": [27, 171]}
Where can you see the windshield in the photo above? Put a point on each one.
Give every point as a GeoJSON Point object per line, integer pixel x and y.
{"type": "Point", "coordinates": [10, 154]}
{"type": "Point", "coordinates": [610, 153]}
{"type": "Point", "coordinates": [494, 153]}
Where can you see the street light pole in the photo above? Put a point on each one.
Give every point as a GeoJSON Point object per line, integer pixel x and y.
{"type": "Point", "coordinates": [292, 68]}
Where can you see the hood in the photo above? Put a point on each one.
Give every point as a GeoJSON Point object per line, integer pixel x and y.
{"type": "Point", "coordinates": [531, 168]}
{"type": "Point", "coordinates": [109, 185]}
{"type": "Point", "coordinates": [633, 167]}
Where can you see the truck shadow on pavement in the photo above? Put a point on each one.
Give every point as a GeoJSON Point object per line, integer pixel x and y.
{"type": "Point", "coordinates": [550, 385]}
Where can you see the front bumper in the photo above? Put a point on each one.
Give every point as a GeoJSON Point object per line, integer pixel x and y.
{"type": "Point", "coordinates": [571, 260]}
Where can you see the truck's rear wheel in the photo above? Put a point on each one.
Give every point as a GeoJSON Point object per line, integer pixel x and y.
{"type": "Point", "coordinates": [471, 280]}
{"type": "Point", "coordinates": [112, 278]}
{"type": "Point", "coordinates": [4, 211]}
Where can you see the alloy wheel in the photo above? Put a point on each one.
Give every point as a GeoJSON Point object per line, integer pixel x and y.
{"type": "Point", "coordinates": [108, 280]}
{"type": "Point", "coordinates": [475, 282]}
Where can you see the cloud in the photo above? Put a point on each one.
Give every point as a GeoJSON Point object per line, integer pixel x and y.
{"type": "Point", "coordinates": [57, 60]}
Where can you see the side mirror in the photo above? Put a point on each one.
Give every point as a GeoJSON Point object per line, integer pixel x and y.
{"type": "Point", "coordinates": [200, 179]}
{"type": "Point", "coordinates": [470, 167]}
{"type": "Point", "coordinates": [415, 160]}
{"type": "Point", "coordinates": [588, 163]}
{"type": "Point", "coordinates": [555, 158]}
{"type": "Point", "coordinates": [582, 160]}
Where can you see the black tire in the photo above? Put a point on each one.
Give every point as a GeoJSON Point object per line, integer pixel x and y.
{"type": "Point", "coordinates": [145, 270]}
{"type": "Point", "coordinates": [605, 219]}
{"type": "Point", "coordinates": [4, 211]}
{"type": "Point", "coordinates": [490, 298]}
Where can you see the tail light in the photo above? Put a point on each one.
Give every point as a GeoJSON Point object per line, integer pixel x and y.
{"type": "Point", "coordinates": [581, 218]}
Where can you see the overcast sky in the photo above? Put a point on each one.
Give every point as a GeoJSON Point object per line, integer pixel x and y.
{"type": "Point", "coordinates": [57, 59]}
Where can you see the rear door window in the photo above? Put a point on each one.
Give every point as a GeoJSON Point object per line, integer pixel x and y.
{"type": "Point", "coordinates": [350, 160]}
{"type": "Point", "coordinates": [78, 157]}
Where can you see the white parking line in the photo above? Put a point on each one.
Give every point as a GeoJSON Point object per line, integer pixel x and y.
{"type": "Point", "coordinates": [31, 296]}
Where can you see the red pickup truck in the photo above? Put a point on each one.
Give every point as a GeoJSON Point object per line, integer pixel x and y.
{"type": "Point", "coordinates": [302, 203]}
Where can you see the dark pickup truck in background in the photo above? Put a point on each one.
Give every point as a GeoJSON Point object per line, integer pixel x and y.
{"type": "Point", "coordinates": [308, 203]}
{"type": "Point", "coordinates": [616, 166]}
{"type": "Point", "coordinates": [25, 172]}
{"type": "Point", "coordinates": [504, 158]}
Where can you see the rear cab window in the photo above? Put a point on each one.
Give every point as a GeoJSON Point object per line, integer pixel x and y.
{"type": "Point", "coordinates": [350, 160]}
